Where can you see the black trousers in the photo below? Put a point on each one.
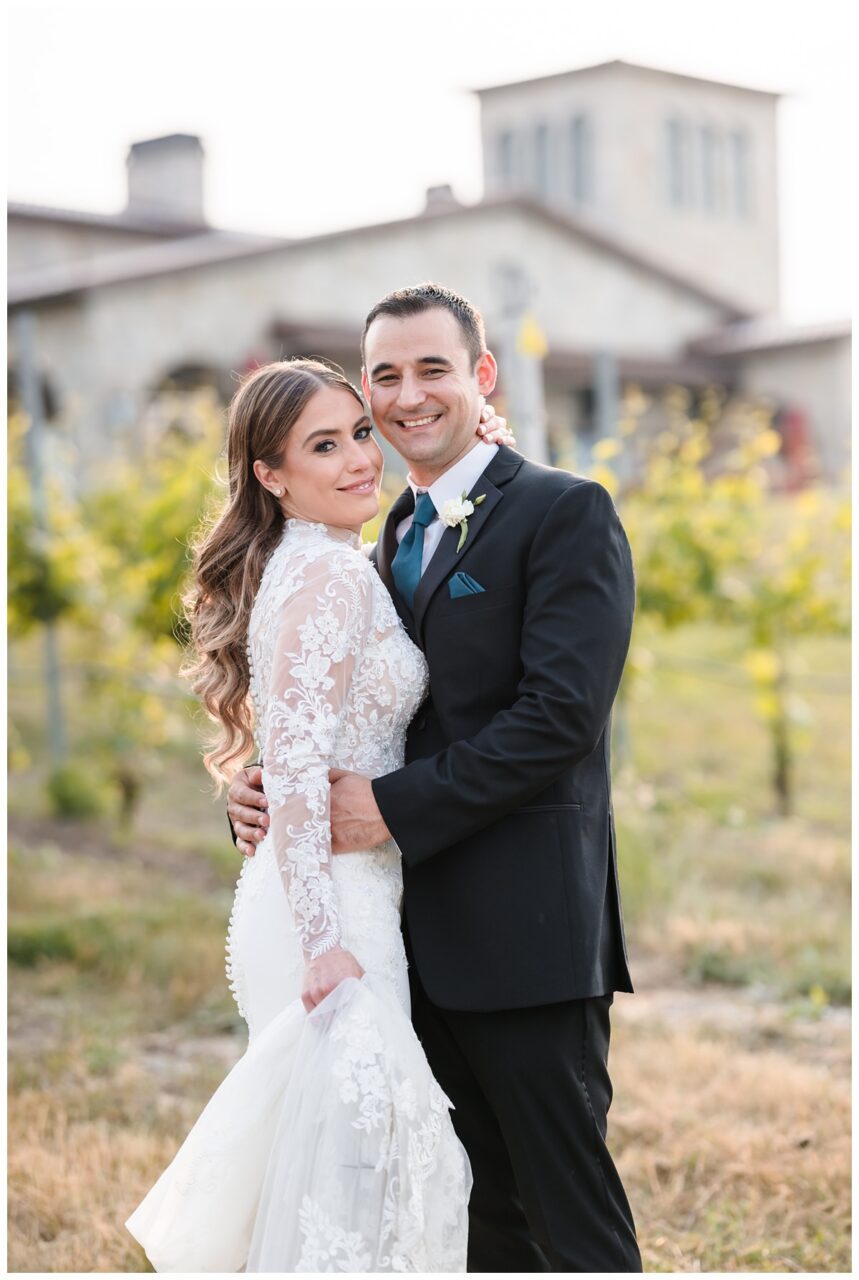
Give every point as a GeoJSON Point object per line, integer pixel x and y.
{"type": "Point", "coordinates": [531, 1092]}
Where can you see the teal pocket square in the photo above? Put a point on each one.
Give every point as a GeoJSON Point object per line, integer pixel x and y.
{"type": "Point", "coordinates": [462, 585]}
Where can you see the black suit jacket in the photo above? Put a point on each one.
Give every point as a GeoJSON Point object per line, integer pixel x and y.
{"type": "Point", "coordinates": [503, 810]}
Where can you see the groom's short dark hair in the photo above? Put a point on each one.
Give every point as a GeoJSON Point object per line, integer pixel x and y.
{"type": "Point", "coordinates": [427, 297]}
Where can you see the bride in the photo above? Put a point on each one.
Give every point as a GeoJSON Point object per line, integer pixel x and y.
{"type": "Point", "coordinates": [329, 1146]}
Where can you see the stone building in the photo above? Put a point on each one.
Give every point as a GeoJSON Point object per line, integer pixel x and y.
{"type": "Point", "coordinates": [629, 217]}
{"type": "Point", "coordinates": [676, 166]}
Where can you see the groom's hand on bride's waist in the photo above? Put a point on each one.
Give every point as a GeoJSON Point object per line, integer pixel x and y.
{"type": "Point", "coordinates": [247, 808]}
{"type": "Point", "coordinates": [356, 822]}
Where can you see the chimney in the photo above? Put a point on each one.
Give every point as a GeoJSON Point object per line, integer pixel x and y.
{"type": "Point", "coordinates": [165, 179]}
{"type": "Point", "coordinates": [441, 199]}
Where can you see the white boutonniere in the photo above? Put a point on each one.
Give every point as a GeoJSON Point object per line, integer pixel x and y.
{"type": "Point", "coordinates": [456, 512]}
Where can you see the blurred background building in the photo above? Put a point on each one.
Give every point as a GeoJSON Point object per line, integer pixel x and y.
{"type": "Point", "coordinates": [628, 234]}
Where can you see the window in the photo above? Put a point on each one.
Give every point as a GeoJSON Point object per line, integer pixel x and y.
{"type": "Point", "coordinates": [711, 163]}
{"type": "Point", "coordinates": [678, 166]}
{"type": "Point", "coordinates": [506, 159]}
{"type": "Point", "coordinates": [581, 160]}
{"type": "Point", "coordinates": [541, 160]}
{"type": "Point", "coordinates": [741, 177]}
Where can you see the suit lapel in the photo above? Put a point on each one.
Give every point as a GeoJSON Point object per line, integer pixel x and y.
{"type": "Point", "coordinates": [386, 549]}
{"type": "Point", "coordinates": [502, 468]}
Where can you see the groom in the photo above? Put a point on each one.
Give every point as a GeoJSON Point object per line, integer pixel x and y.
{"type": "Point", "coordinates": [503, 809]}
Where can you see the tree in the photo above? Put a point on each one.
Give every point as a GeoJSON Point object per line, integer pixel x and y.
{"type": "Point", "coordinates": [711, 543]}
{"type": "Point", "coordinates": [45, 567]}
{"type": "Point", "coordinates": [111, 568]}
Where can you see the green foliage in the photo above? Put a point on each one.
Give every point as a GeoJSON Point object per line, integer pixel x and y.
{"type": "Point", "coordinates": [711, 543]}
{"type": "Point", "coordinates": [152, 940]}
{"type": "Point", "coordinates": [145, 519]}
{"type": "Point", "coordinates": [113, 566]}
{"type": "Point", "coordinates": [75, 791]}
{"type": "Point", "coordinates": [642, 875]}
{"type": "Point", "coordinates": [44, 564]}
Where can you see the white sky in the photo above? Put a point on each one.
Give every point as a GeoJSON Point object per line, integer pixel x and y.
{"type": "Point", "coordinates": [320, 114]}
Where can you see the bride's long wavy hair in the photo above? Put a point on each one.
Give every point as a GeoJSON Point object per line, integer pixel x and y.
{"type": "Point", "coordinates": [230, 551]}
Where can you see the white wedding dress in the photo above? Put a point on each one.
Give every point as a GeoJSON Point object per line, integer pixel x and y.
{"type": "Point", "coordinates": [329, 1146]}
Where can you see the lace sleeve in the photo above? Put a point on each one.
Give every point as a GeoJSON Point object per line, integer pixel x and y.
{"type": "Point", "coordinates": [320, 634]}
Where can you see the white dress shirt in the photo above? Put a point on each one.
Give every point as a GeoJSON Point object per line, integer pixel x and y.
{"type": "Point", "coordinates": [461, 478]}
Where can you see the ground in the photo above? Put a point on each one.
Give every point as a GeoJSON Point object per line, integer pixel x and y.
{"type": "Point", "coordinates": [731, 1063]}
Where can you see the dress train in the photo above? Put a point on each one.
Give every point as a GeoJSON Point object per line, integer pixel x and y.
{"type": "Point", "coordinates": [328, 1147]}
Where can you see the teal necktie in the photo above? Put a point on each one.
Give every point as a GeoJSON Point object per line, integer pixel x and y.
{"type": "Point", "coordinates": [406, 565]}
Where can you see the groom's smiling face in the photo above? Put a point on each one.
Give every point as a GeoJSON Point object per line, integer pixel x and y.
{"type": "Point", "coordinates": [424, 389]}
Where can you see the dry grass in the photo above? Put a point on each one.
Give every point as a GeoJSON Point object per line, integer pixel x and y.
{"type": "Point", "coordinates": [712, 879]}
{"type": "Point", "coordinates": [100, 1095]}
{"type": "Point", "coordinates": [762, 902]}
{"type": "Point", "coordinates": [80, 1164]}
{"type": "Point", "coordinates": [735, 1157]}
{"type": "Point", "coordinates": [68, 1185]}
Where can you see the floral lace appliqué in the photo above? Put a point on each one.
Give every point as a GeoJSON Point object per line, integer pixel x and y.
{"type": "Point", "coordinates": [335, 681]}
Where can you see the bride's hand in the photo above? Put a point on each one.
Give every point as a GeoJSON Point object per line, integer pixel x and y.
{"type": "Point", "coordinates": [493, 429]}
{"type": "Point", "coordinates": [325, 973]}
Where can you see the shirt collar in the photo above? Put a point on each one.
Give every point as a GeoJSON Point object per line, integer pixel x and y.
{"type": "Point", "coordinates": [460, 478]}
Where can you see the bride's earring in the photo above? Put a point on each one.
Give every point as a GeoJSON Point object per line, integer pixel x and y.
{"type": "Point", "coordinates": [278, 493]}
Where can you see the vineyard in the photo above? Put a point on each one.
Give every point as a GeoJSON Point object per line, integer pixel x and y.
{"type": "Point", "coordinates": [731, 747]}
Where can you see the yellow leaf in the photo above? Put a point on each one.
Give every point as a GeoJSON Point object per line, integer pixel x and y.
{"type": "Point", "coordinates": [763, 665]}
{"type": "Point", "coordinates": [808, 503]}
{"type": "Point", "coordinates": [768, 444]}
{"type": "Point", "coordinates": [635, 402]}
{"type": "Point", "coordinates": [607, 448]}
{"type": "Point", "coordinates": [606, 477]}
{"type": "Point", "coordinates": [693, 451]}
{"type": "Point", "coordinates": [530, 340]}
{"type": "Point", "coordinates": [766, 705]}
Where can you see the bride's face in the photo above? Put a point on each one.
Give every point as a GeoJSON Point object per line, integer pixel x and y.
{"type": "Point", "coordinates": [332, 466]}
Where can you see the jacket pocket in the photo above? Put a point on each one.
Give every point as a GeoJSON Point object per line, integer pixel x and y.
{"type": "Point", "coordinates": [549, 808]}
{"type": "Point", "coordinates": [447, 607]}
